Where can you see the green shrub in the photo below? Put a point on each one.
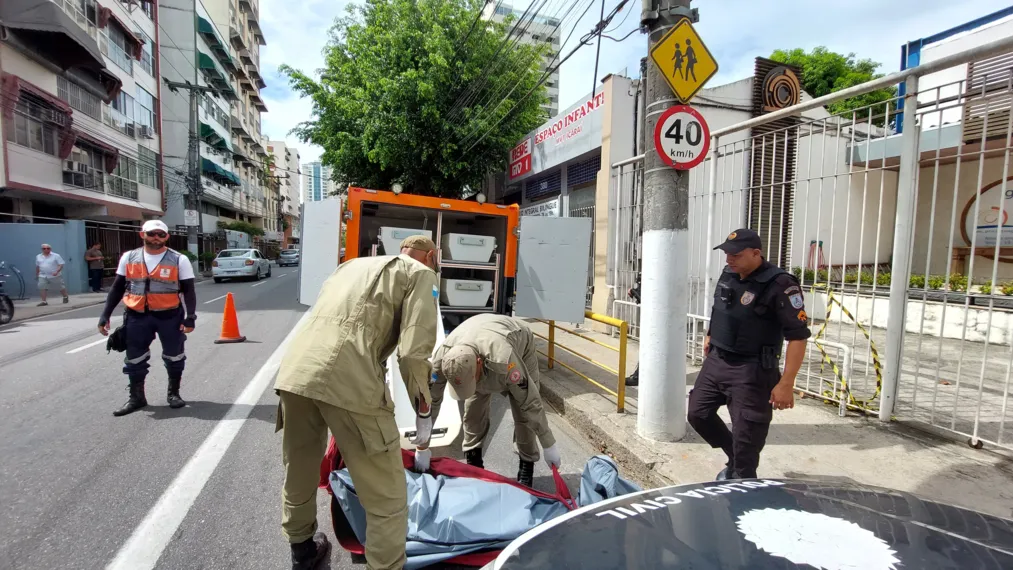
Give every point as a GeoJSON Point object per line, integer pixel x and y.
{"type": "Point", "coordinates": [822, 276]}
{"type": "Point", "coordinates": [866, 278]}
{"type": "Point", "coordinates": [985, 288]}
{"type": "Point", "coordinates": [936, 282]}
{"type": "Point", "coordinates": [883, 279]}
{"type": "Point", "coordinates": [797, 272]}
{"type": "Point", "coordinates": [917, 282]}
{"type": "Point", "coordinates": [809, 276]}
{"type": "Point", "coordinates": [958, 282]}
{"type": "Point", "coordinates": [189, 255]}
{"type": "Point", "coordinates": [1007, 288]}
{"type": "Point", "coordinates": [851, 278]}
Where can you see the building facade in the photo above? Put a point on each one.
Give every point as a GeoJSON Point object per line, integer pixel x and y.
{"type": "Point", "coordinates": [542, 29]}
{"type": "Point", "coordinates": [286, 170]}
{"type": "Point", "coordinates": [80, 111]}
{"type": "Point", "coordinates": [317, 184]}
{"type": "Point", "coordinates": [233, 154]}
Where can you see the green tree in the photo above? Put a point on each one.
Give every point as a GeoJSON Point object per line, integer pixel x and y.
{"type": "Point", "coordinates": [386, 110]}
{"type": "Point", "coordinates": [824, 72]}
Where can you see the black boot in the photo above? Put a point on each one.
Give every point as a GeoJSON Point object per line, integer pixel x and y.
{"type": "Point", "coordinates": [634, 379]}
{"type": "Point", "coordinates": [173, 397]}
{"type": "Point", "coordinates": [526, 473]}
{"type": "Point", "coordinates": [136, 400]}
{"type": "Point", "coordinates": [307, 555]}
{"type": "Point", "coordinates": [474, 457]}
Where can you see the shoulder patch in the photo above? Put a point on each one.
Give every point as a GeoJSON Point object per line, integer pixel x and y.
{"type": "Point", "coordinates": [803, 317]}
{"type": "Point", "coordinates": [793, 289]}
{"type": "Point", "coordinates": [796, 300]}
{"type": "Point", "coordinates": [514, 376]}
{"type": "Point", "coordinates": [747, 298]}
{"type": "Point", "coordinates": [511, 366]}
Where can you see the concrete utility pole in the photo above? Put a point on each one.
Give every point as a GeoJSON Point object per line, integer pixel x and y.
{"type": "Point", "coordinates": [194, 187]}
{"type": "Point", "coordinates": [661, 414]}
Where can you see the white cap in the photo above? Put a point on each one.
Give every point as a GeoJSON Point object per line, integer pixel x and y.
{"type": "Point", "coordinates": [153, 225]}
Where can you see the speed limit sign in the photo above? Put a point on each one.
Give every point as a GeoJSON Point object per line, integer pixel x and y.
{"type": "Point", "coordinates": [682, 137]}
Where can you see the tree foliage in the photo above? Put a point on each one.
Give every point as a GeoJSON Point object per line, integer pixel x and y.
{"type": "Point", "coordinates": [384, 108]}
{"type": "Point", "coordinates": [824, 72]}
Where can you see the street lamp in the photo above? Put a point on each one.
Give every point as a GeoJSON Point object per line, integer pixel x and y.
{"type": "Point", "coordinates": [397, 188]}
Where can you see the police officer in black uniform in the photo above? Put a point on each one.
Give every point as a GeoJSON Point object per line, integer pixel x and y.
{"type": "Point", "coordinates": [757, 306]}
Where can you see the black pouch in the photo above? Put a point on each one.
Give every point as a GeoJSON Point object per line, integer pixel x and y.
{"type": "Point", "coordinates": [117, 340]}
{"type": "Point", "coordinates": [769, 358]}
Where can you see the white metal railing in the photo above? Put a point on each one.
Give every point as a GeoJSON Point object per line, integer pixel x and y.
{"type": "Point", "coordinates": [900, 236]}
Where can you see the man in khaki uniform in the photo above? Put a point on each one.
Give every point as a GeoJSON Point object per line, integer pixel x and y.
{"type": "Point", "coordinates": [333, 377]}
{"type": "Point", "coordinates": [486, 355]}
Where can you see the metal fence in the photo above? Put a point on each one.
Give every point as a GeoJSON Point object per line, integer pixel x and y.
{"type": "Point", "coordinates": [587, 212]}
{"type": "Point", "coordinates": [894, 216]}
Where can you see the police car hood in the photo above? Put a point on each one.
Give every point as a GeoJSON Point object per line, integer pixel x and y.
{"type": "Point", "coordinates": [759, 524]}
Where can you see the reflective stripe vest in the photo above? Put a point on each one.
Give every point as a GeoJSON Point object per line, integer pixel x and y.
{"type": "Point", "coordinates": [155, 291]}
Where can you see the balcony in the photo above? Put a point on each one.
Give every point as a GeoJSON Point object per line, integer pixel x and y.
{"type": "Point", "coordinates": [218, 46]}
{"type": "Point", "coordinates": [254, 73]}
{"type": "Point", "coordinates": [236, 35]}
{"type": "Point", "coordinates": [257, 101]}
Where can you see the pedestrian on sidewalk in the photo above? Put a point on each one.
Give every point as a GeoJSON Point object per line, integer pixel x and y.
{"type": "Point", "coordinates": [486, 355]}
{"type": "Point", "coordinates": [96, 266]}
{"type": "Point", "coordinates": [757, 306]}
{"type": "Point", "coordinates": [634, 293]}
{"type": "Point", "coordinates": [49, 273]}
{"type": "Point", "coordinates": [150, 281]}
{"type": "Point", "coordinates": [332, 376]}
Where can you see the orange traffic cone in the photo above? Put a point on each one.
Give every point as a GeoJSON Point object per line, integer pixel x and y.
{"type": "Point", "coordinates": [230, 324]}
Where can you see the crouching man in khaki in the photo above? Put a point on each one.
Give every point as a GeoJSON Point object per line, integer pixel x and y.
{"type": "Point", "coordinates": [332, 376]}
{"type": "Point", "coordinates": [486, 355]}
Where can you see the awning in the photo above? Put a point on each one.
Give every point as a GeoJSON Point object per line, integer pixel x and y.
{"type": "Point", "coordinates": [205, 62]}
{"type": "Point", "coordinates": [50, 33]}
{"type": "Point", "coordinates": [213, 138]}
{"type": "Point", "coordinates": [112, 154]}
{"type": "Point", "coordinates": [106, 14]}
{"type": "Point", "coordinates": [218, 173]}
{"type": "Point", "coordinates": [217, 44]}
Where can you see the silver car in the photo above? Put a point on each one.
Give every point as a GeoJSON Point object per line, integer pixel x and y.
{"type": "Point", "coordinates": [288, 257]}
{"type": "Point", "coordinates": [240, 263]}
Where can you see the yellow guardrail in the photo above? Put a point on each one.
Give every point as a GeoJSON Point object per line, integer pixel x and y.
{"type": "Point", "coordinates": [623, 327]}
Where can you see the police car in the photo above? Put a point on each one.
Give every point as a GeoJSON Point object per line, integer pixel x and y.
{"type": "Point", "coordinates": [768, 523]}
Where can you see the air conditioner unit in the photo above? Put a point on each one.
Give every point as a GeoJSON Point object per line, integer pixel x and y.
{"type": "Point", "coordinates": [82, 167]}
{"type": "Point", "coordinates": [72, 166]}
{"type": "Point", "coordinates": [147, 132]}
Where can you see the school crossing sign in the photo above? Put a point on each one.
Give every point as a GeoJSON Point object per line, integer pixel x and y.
{"type": "Point", "coordinates": [684, 60]}
{"type": "Point", "coordinates": [682, 137]}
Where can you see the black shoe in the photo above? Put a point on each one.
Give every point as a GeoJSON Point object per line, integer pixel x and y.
{"type": "Point", "coordinates": [474, 457]}
{"type": "Point", "coordinates": [634, 379]}
{"type": "Point", "coordinates": [526, 473]}
{"type": "Point", "coordinates": [722, 475]}
{"type": "Point", "coordinates": [135, 402]}
{"type": "Point", "coordinates": [173, 397]}
{"type": "Point", "coordinates": [309, 554]}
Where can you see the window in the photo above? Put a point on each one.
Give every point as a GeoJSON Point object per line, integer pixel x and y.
{"type": "Point", "coordinates": [79, 98]}
{"type": "Point", "coordinates": [216, 112]}
{"type": "Point", "coordinates": [147, 54]}
{"type": "Point", "coordinates": [147, 166]}
{"type": "Point", "coordinates": [85, 168]}
{"type": "Point", "coordinates": [119, 48]}
{"type": "Point", "coordinates": [34, 124]}
{"type": "Point", "coordinates": [121, 114]}
{"type": "Point", "coordinates": [145, 109]}
{"type": "Point", "coordinates": [149, 9]}
{"type": "Point", "coordinates": [123, 181]}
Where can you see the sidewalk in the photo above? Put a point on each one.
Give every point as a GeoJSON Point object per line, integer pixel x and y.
{"type": "Point", "coordinates": [809, 442]}
{"type": "Point", "coordinates": [28, 308]}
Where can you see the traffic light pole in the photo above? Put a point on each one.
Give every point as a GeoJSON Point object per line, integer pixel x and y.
{"type": "Point", "coordinates": [661, 413]}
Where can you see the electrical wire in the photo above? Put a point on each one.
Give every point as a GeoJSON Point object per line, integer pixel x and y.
{"type": "Point", "coordinates": [622, 39]}
{"type": "Point", "coordinates": [597, 56]}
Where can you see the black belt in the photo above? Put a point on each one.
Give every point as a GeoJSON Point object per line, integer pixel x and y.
{"type": "Point", "coordinates": [735, 357]}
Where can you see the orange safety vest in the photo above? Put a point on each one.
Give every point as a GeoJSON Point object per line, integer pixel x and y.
{"type": "Point", "coordinates": [155, 291]}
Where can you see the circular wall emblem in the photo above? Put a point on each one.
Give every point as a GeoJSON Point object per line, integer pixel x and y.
{"type": "Point", "coordinates": [781, 89]}
{"type": "Point", "coordinates": [815, 539]}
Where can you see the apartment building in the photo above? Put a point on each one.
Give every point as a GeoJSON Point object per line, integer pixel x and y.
{"type": "Point", "coordinates": [286, 171]}
{"type": "Point", "coordinates": [234, 183]}
{"type": "Point", "coordinates": [541, 29]}
{"type": "Point", "coordinates": [316, 182]}
{"type": "Point", "coordinates": [79, 94]}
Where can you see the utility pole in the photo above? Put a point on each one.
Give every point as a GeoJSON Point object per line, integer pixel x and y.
{"type": "Point", "coordinates": [193, 183]}
{"type": "Point", "coordinates": [661, 415]}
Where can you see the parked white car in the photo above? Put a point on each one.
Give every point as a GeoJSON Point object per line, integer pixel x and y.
{"type": "Point", "coordinates": [240, 264]}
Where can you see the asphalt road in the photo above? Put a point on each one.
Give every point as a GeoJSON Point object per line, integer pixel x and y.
{"type": "Point", "coordinates": [196, 488]}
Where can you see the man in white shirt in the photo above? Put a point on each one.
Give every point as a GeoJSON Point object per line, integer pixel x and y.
{"type": "Point", "coordinates": [49, 272]}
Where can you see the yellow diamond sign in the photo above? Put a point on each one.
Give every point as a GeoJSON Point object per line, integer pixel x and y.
{"type": "Point", "coordinates": [684, 60]}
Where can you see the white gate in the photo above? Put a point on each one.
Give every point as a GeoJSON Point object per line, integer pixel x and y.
{"type": "Point", "coordinates": [894, 216]}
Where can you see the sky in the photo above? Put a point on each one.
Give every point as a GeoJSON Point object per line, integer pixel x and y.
{"type": "Point", "coordinates": [735, 31]}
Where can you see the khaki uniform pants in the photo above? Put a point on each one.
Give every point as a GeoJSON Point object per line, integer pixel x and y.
{"type": "Point", "coordinates": [370, 448]}
{"type": "Point", "coordinates": [476, 427]}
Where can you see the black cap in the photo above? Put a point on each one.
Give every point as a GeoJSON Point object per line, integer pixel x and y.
{"type": "Point", "coordinates": [740, 240]}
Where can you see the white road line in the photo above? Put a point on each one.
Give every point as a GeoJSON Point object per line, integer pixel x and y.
{"type": "Point", "coordinates": [89, 345]}
{"type": "Point", "coordinates": [258, 284]}
{"type": "Point", "coordinates": [145, 546]}
{"type": "Point", "coordinates": [216, 299]}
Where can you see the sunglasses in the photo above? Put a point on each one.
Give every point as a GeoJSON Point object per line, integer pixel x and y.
{"type": "Point", "coordinates": [47, 249]}
{"type": "Point", "coordinates": [158, 234]}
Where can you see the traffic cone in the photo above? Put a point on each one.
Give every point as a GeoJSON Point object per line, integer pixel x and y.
{"type": "Point", "coordinates": [230, 324]}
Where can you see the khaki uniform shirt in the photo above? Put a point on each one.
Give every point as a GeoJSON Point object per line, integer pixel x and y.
{"type": "Point", "coordinates": [509, 366]}
{"type": "Point", "coordinates": [366, 309]}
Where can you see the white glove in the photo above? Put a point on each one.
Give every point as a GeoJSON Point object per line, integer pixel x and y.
{"type": "Point", "coordinates": [422, 457]}
{"type": "Point", "coordinates": [423, 430]}
{"type": "Point", "coordinates": [552, 456]}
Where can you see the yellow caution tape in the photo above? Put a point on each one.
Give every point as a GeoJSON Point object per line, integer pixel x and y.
{"type": "Point", "coordinates": [845, 390]}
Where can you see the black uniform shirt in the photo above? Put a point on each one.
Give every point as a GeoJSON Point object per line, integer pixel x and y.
{"type": "Point", "coordinates": [785, 298]}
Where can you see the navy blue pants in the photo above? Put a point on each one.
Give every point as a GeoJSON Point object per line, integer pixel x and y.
{"type": "Point", "coordinates": [95, 279]}
{"type": "Point", "coordinates": [745, 387]}
{"type": "Point", "coordinates": [141, 331]}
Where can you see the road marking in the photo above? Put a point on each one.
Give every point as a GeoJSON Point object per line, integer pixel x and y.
{"type": "Point", "coordinates": [216, 299]}
{"type": "Point", "coordinates": [258, 284]}
{"type": "Point", "coordinates": [145, 546]}
{"type": "Point", "coordinates": [89, 345]}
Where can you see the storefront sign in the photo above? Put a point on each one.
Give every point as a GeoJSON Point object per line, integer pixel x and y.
{"type": "Point", "coordinates": [993, 222]}
{"type": "Point", "coordinates": [548, 208]}
{"type": "Point", "coordinates": [574, 132]}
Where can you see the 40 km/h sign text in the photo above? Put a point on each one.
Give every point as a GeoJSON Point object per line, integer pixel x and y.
{"type": "Point", "coordinates": [682, 137]}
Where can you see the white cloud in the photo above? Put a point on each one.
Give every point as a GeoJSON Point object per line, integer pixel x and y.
{"type": "Point", "coordinates": [736, 31]}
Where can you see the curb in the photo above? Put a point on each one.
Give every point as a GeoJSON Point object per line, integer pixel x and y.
{"type": "Point", "coordinates": [61, 310]}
